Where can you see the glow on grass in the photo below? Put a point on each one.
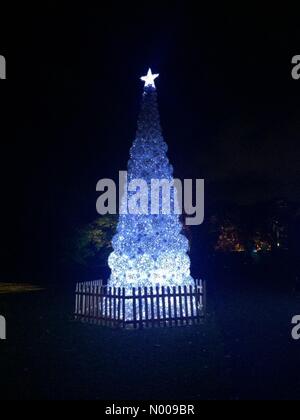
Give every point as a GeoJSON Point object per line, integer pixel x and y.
{"type": "Point", "coordinates": [11, 288]}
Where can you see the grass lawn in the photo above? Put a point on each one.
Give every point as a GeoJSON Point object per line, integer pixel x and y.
{"type": "Point", "coordinates": [243, 351]}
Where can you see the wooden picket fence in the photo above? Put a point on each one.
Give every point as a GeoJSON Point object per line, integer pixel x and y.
{"type": "Point", "coordinates": [140, 307]}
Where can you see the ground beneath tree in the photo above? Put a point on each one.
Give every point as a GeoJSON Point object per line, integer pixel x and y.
{"type": "Point", "coordinates": [243, 351]}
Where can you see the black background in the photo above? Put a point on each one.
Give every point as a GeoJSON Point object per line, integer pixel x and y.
{"type": "Point", "coordinates": [229, 109]}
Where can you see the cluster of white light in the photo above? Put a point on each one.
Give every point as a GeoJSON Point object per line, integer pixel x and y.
{"type": "Point", "coordinates": [149, 250]}
{"type": "Point", "coordinates": [168, 269]}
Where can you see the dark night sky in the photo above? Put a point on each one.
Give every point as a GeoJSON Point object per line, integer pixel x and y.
{"type": "Point", "coordinates": [229, 109]}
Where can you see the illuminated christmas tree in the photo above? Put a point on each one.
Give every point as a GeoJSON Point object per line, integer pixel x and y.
{"type": "Point", "coordinates": [149, 249]}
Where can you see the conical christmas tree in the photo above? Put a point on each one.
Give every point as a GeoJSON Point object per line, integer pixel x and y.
{"type": "Point", "coordinates": [149, 249]}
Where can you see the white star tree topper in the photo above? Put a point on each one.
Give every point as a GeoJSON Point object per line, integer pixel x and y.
{"type": "Point", "coordinates": [149, 79]}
